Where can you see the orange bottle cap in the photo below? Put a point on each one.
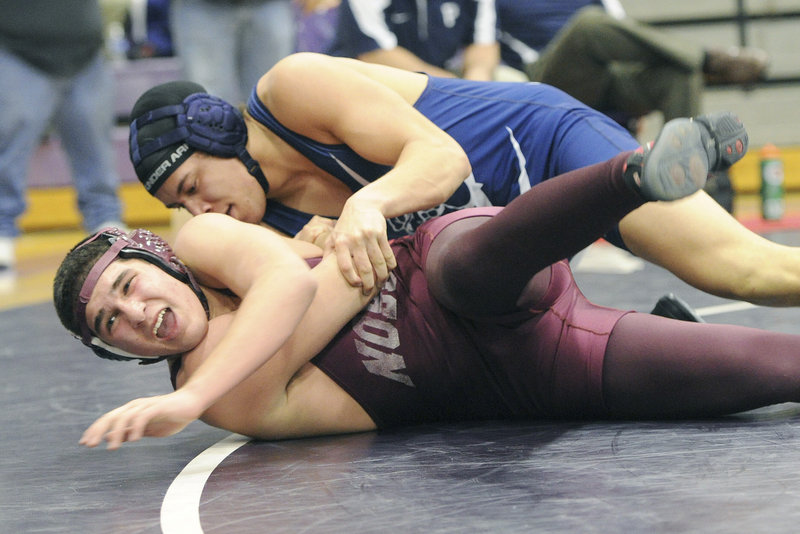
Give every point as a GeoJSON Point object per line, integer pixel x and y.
{"type": "Point", "coordinates": [770, 151]}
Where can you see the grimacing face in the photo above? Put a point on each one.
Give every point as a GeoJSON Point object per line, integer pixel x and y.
{"type": "Point", "coordinates": [138, 307]}
{"type": "Point", "coordinates": [205, 183]}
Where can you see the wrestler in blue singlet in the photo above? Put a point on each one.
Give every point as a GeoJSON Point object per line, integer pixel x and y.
{"type": "Point", "coordinates": [515, 135]}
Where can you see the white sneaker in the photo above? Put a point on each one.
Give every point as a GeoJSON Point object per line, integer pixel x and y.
{"type": "Point", "coordinates": [7, 258]}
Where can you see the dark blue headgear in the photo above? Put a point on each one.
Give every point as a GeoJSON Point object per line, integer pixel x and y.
{"type": "Point", "coordinates": [172, 120]}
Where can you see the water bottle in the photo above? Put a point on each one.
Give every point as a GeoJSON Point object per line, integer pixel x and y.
{"type": "Point", "coordinates": [772, 193]}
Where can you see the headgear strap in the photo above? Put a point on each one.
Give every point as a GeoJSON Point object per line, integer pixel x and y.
{"type": "Point", "coordinates": [88, 286]}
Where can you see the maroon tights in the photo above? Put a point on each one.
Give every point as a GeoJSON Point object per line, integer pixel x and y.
{"type": "Point", "coordinates": [653, 367]}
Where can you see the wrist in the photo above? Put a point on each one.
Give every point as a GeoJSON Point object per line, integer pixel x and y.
{"type": "Point", "coordinates": [365, 200]}
{"type": "Point", "coordinates": [195, 397]}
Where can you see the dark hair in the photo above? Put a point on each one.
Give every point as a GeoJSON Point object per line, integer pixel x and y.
{"type": "Point", "coordinates": [70, 277]}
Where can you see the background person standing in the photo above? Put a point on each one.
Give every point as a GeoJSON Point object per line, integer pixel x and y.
{"type": "Point", "coordinates": [54, 74]}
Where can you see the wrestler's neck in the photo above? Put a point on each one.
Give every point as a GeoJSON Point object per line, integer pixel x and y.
{"type": "Point", "coordinates": [220, 302]}
{"type": "Point", "coordinates": [287, 170]}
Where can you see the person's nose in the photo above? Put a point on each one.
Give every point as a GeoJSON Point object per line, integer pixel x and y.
{"type": "Point", "coordinates": [197, 206]}
{"type": "Point", "coordinates": [133, 310]}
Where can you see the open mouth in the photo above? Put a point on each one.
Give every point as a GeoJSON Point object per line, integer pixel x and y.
{"type": "Point", "coordinates": [158, 331]}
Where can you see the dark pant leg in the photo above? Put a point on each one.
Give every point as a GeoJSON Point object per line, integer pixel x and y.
{"type": "Point", "coordinates": [622, 65]}
{"type": "Point", "coordinates": [657, 367]}
{"type": "Point", "coordinates": [482, 271]}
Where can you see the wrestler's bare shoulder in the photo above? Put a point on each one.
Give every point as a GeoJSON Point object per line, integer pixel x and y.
{"type": "Point", "coordinates": [313, 67]}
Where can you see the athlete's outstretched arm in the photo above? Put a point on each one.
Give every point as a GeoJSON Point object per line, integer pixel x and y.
{"type": "Point", "coordinates": [285, 318]}
{"type": "Point", "coordinates": [266, 404]}
{"type": "Point", "coordinates": [276, 288]}
{"type": "Point", "coordinates": [698, 241]}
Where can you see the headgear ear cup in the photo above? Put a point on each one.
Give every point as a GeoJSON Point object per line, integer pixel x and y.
{"type": "Point", "coordinates": [215, 126]}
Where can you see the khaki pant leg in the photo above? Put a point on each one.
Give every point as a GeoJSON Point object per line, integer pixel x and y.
{"type": "Point", "coordinates": [595, 56]}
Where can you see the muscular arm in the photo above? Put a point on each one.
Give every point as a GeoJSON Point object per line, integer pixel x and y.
{"type": "Point", "coordinates": [275, 286]}
{"type": "Point", "coordinates": [335, 100]}
{"type": "Point", "coordinates": [263, 405]}
{"type": "Point", "coordinates": [709, 249]}
{"type": "Point", "coordinates": [276, 289]}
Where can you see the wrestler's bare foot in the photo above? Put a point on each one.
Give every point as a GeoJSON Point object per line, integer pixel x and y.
{"type": "Point", "coordinates": [678, 162]}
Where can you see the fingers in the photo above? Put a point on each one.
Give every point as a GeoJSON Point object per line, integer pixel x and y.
{"type": "Point", "coordinates": [316, 231]}
{"type": "Point", "coordinates": [344, 258]}
{"type": "Point", "coordinates": [115, 427]}
{"type": "Point", "coordinates": [124, 424]}
{"type": "Point", "coordinates": [387, 253]}
{"type": "Point", "coordinates": [362, 259]}
{"type": "Point", "coordinates": [159, 416]}
{"type": "Point", "coordinates": [112, 427]}
{"type": "Point", "coordinates": [361, 245]}
{"type": "Point", "coordinates": [381, 261]}
{"type": "Point", "coordinates": [365, 263]}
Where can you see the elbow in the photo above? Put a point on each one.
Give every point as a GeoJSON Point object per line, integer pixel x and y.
{"type": "Point", "coordinates": [456, 166]}
{"type": "Point", "coordinates": [307, 286]}
{"type": "Point", "coordinates": [293, 281]}
{"type": "Point", "coordinates": [461, 160]}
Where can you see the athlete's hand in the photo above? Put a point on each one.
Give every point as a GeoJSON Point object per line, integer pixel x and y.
{"type": "Point", "coordinates": [159, 416]}
{"type": "Point", "coordinates": [316, 231]}
{"type": "Point", "coordinates": [361, 245]}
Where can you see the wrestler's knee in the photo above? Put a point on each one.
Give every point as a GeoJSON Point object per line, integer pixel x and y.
{"type": "Point", "coordinates": [450, 278]}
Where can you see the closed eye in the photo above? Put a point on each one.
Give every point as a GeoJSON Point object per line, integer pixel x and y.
{"type": "Point", "coordinates": [112, 318]}
{"type": "Point", "coordinates": [187, 186]}
{"type": "Point", "coordinates": [184, 190]}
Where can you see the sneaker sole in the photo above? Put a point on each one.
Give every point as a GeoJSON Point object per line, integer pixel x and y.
{"type": "Point", "coordinates": [677, 164]}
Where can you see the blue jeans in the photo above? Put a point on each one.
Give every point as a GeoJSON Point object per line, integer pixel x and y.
{"type": "Point", "coordinates": [227, 46]}
{"type": "Point", "coordinates": [80, 109]}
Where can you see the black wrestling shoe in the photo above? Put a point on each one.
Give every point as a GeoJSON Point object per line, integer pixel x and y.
{"type": "Point", "coordinates": [673, 307]}
{"type": "Point", "coordinates": [677, 164]}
